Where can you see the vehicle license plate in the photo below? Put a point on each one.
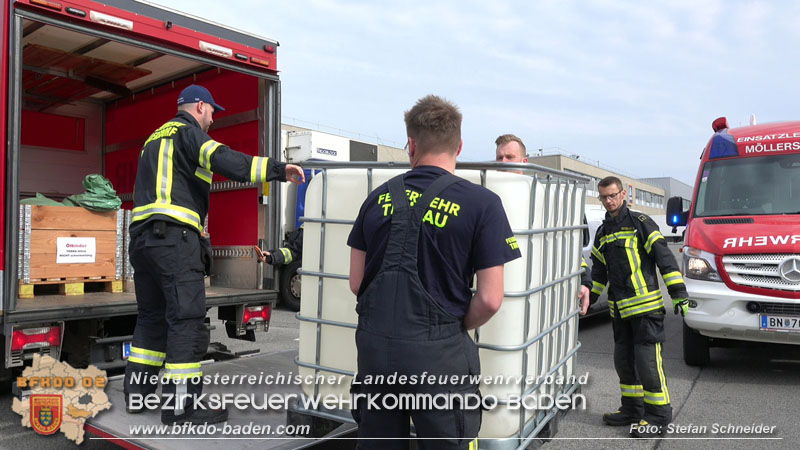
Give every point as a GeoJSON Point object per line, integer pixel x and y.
{"type": "Point", "coordinates": [780, 323]}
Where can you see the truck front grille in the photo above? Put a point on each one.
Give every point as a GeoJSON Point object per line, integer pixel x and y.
{"type": "Point", "coordinates": [759, 270]}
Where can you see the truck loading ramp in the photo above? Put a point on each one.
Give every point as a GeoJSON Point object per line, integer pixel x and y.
{"type": "Point", "coordinates": [120, 426]}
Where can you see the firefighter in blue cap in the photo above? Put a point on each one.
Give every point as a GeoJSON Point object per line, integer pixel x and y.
{"type": "Point", "coordinates": [170, 256]}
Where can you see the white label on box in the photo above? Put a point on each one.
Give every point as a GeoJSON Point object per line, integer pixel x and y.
{"type": "Point", "coordinates": [75, 250]}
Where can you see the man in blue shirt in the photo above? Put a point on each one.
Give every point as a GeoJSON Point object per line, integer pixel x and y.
{"type": "Point", "coordinates": [416, 245]}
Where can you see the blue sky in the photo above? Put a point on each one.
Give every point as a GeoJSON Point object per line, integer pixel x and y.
{"type": "Point", "coordinates": [634, 85]}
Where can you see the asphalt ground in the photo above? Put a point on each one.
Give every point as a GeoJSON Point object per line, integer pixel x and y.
{"type": "Point", "coordinates": [743, 385]}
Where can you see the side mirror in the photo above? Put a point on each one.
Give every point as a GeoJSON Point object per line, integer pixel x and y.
{"type": "Point", "coordinates": [676, 216]}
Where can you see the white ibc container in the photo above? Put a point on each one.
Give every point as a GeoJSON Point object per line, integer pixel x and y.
{"type": "Point", "coordinates": [345, 191]}
{"type": "Point", "coordinates": [541, 262]}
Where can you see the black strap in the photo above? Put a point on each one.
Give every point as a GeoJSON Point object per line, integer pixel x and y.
{"type": "Point", "coordinates": [401, 250]}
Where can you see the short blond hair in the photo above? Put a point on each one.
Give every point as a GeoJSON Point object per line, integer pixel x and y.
{"type": "Point", "coordinates": [435, 125]}
{"type": "Point", "coordinates": [506, 138]}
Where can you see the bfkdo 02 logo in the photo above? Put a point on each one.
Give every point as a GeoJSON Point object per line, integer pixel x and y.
{"type": "Point", "coordinates": [46, 413]}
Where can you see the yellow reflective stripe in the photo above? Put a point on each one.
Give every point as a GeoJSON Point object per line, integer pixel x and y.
{"type": "Point", "coordinates": [473, 445]}
{"type": "Point", "coordinates": [655, 398]}
{"type": "Point", "coordinates": [258, 169]}
{"type": "Point", "coordinates": [583, 262]}
{"type": "Point", "coordinates": [168, 181]}
{"type": "Point", "coordinates": [597, 288]}
{"type": "Point", "coordinates": [633, 261]}
{"type": "Point", "coordinates": [179, 213]}
{"type": "Point", "coordinates": [654, 236]}
{"type": "Point", "coordinates": [631, 301]}
{"type": "Point", "coordinates": [177, 371]}
{"type": "Point", "coordinates": [628, 390]}
{"type": "Point", "coordinates": [194, 365]}
{"type": "Point", "coordinates": [638, 259]}
{"type": "Point", "coordinates": [206, 150]}
{"type": "Point", "coordinates": [148, 352]}
{"type": "Point", "coordinates": [661, 376]}
{"type": "Point", "coordinates": [160, 172]}
{"type": "Point", "coordinates": [598, 255]}
{"type": "Point", "coordinates": [672, 278]}
{"type": "Point", "coordinates": [164, 174]}
{"type": "Point", "coordinates": [609, 238]}
{"type": "Point", "coordinates": [204, 174]}
{"type": "Point", "coordinates": [147, 357]}
{"type": "Point", "coordinates": [641, 309]}
{"type": "Point", "coordinates": [287, 255]}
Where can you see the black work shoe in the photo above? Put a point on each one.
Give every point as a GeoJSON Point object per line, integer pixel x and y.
{"type": "Point", "coordinates": [619, 419]}
{"type": "Point", "coordinates": [646, 430]}
{"type": "Point", "coordinates": [196, 416]}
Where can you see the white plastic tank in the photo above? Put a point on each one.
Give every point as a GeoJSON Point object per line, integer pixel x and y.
{"type": "Point", "coordinates": [544, 258]}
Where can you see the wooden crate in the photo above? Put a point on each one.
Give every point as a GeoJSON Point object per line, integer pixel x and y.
{"type": "Point", "coordinates": [41, 227]}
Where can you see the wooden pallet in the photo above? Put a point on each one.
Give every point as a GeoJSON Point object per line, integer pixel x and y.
{"type": "Point", "coordinates": [68, 286]}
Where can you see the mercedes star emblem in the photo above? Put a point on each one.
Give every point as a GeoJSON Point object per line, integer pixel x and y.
{"type": "Point", "coordinates": [790, 269]}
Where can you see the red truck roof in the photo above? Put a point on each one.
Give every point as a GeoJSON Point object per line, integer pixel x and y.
{"type": "Point", "coordinates": [152, 23]}
{"type": "Point", "coordinates": [754, 140]}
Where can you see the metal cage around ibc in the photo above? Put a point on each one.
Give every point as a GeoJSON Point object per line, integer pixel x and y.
{"type": "Point", "coordinates": [547, 350]}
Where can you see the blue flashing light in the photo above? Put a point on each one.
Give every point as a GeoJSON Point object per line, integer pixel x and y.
{"type": "Point", "coordinates": [674, 219]}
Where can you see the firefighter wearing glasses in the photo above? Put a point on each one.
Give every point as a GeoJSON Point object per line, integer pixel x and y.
{"type": "Point", "coordinates": [169, 255]}
{"type": "Point", "coordinates": [627, 248]}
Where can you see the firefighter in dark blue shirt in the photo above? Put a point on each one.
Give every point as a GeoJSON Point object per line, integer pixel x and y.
{"type": "Point", "coordinates": [169, 255]}
{"type": "Point", "coordinates": [416, 245]}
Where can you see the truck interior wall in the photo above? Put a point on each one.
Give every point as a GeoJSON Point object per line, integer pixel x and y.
{"type": "Point", "coordinates": [55, 153]}
{"type": "Point", "coordinates": [131, 120]}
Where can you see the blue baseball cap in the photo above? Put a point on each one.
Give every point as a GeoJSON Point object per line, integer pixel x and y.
{"type": "Point", "coordinates": [196, 93]}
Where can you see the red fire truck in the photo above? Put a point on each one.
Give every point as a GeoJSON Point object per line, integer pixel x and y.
{"type": "Point", "coordinates": [84, 83]}
{"type": "Point", "coordinates": [741, 259]}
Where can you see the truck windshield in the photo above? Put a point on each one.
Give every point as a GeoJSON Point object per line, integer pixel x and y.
{"type": "Point", "coordinates": [750, 186]}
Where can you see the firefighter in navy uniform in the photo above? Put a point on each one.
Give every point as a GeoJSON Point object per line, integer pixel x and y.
{"type": "Point", "coordinates": [416, 245]}
{"type": "Point", "coordinates": [170, 256]}
{"type": "Point", "coordinates": [627, 249]}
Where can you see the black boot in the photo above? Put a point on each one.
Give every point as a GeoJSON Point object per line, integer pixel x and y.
{"type": "Point", "coordinates": [620, 418]}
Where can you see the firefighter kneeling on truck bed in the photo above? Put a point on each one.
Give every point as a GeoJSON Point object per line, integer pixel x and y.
{"type": "Point", "coordinates": [627, 248]}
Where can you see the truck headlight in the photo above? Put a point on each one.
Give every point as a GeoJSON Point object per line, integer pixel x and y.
{"type": "Point", "coordinates": [700, 265]}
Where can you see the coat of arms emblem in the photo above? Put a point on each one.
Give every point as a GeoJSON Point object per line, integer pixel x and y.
{"type": "Point", "coordinates": [46, 413]}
